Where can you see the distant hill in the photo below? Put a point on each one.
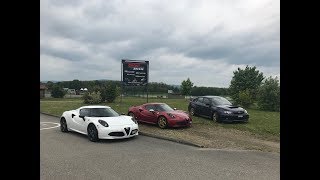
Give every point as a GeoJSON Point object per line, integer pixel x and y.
{"type": "Point", "coordinates": [176, 86]}
{"type": "Point", "coordinates": [51, 81]}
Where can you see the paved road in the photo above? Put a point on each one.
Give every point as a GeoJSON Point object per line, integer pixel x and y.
{"type": "Point", "coordinates": [73, 156]}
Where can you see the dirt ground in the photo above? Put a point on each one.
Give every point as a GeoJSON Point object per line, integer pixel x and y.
{"type": "Point", "coordinates": [215, 137]}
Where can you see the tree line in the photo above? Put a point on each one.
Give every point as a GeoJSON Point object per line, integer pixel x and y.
{"type": "Point", "coordinates": [248, 86]}
{"type": "Point", "coordinates": [153, 87]}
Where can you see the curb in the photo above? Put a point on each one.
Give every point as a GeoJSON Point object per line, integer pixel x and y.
{"type": "Point", "coordinates": [151, 135]}
{"type": "Point", "coordinates": [49, 114]}
{"type": "Point", "coordinates": [170, 139]}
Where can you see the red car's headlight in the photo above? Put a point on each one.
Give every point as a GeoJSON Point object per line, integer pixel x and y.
{"type": "Point", "coordinates": [171, 115]}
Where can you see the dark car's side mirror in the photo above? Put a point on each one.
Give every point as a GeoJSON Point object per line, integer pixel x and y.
{"type": "Point", "coordinates": [151, 110]}
{"type": "Point", "coordinates": [208, 105]}
{"type": "Point", "coordinates": [174, 108]}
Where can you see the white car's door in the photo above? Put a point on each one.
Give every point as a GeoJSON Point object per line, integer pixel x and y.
{"type": "Point", "coordinates": [70, 118]}
{"type": "Point", "coordinates": [80, 123]}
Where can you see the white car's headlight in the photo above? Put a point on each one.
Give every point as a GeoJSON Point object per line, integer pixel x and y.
{"type": "Point", "coordinates": [103, 123]}
{"type": "Point", "coordinates": [245, 111]}
{"type": "Point", "coordinates": [227, 112]}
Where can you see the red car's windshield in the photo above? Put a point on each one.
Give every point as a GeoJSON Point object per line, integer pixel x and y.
{"type": "Point", "coordinates": [163, 107]}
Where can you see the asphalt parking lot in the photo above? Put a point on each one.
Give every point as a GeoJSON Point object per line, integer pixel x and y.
{"type": "Point", "coordinates": [73, 156]}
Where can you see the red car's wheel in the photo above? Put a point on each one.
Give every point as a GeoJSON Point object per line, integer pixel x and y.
{"type": "Point", "coordinates": [132, 115]}
{"type": "Point", "coordinates": [162, 122]}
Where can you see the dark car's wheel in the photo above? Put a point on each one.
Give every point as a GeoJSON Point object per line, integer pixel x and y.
{"type": "Point", "coordinates": [192, 112]}
{"type": "Point", "coordinates": [215, 117]}
{"type": "Point", "coordinates": [63, 125]}
{"type": "Point", "coordinates": [92, 133]}
{"type": "Point", "coordinates": [162, 122]}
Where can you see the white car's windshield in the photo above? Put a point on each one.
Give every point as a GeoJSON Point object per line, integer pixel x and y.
{"type": "Point", "coordinates": [103, 112]}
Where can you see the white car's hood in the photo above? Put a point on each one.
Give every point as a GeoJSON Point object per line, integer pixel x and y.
{"type": "Point", "coordinates": [116, 121]}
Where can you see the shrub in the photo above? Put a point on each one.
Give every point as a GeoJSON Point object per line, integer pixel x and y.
{"type": "Point", "coordinates": [269, 95]}
{"type": "Point", "coordinates": [109, 93]}
{"type": "Point", "coordinates": [57, 92]}
{"type": "Point", "coordinates": [92, 98]}
{"type": "Point", "coordinates": [245, 98]}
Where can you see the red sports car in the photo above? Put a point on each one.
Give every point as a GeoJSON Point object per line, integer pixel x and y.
{"type": "Point", "coordinates": [161, 114]}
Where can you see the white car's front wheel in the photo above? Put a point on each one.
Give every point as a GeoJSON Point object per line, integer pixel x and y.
{"type": "Point", "coordinates": [63, 125]}
{"type": "Point", "coordinates": [92, 133]}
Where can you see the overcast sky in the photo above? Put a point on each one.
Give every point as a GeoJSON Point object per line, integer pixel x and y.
{"type": "Point", "coordinates": [205, 40]}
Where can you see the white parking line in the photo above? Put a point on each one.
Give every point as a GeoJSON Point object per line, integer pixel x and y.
{"type": "Point", "coordinates": [57, 125]}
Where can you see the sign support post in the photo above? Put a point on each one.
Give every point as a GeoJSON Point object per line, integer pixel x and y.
{"type": "Point", "coordinates": [121, 91]}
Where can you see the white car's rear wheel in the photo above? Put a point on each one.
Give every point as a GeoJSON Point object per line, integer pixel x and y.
{"type": "Point", "coordinates": [63, 125]}
{"type": "Point", "coordinates": [92, 133]}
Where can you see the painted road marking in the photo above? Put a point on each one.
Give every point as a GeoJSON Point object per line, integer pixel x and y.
{"type": "Point", "coordinates": [46, 124]}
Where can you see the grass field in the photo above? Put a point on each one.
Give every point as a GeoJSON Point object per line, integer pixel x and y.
{"type": "Point", "coordinates": [263, 123]}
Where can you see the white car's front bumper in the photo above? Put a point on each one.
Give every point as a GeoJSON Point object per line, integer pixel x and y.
{"type": "Point", "coordinates": [117, 132]}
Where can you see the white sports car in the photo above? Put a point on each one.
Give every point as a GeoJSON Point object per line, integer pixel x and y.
{"type": "Point", "coordinates": [99, 122]}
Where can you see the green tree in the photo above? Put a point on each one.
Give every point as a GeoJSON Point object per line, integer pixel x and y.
{"type": "Point", "coordinates": [57, 92]}
{"type": "Point", "coordinates": [110, 92]}
{"type": "Point", "coordinates": [96, 89]}
{"type": "Point", "coordinates": [245, 82]}
{"type": "Point", "coordinates": [49, 85]}
{"type": "Point", "coordinates": [201, 91]}
{"type": "Point", "coordinates": [269, 95]}
{"type": "Point", "coordinates": [186, 87]}
{"type": "Point", "coordinates": [175, 89]}
{"type": "Point", "coordinates": [75, 84]}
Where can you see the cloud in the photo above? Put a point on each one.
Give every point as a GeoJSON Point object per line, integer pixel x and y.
{"type": "Point", "coordinates": [204, 40]}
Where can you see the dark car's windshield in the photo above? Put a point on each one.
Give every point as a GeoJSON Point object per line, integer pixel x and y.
{"type": "Point", "coordinates": [221, 101]}
{"type": "Point", "coordinates": [163, 107]}
{"type": "Point", "coordinates": [103, 112]}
